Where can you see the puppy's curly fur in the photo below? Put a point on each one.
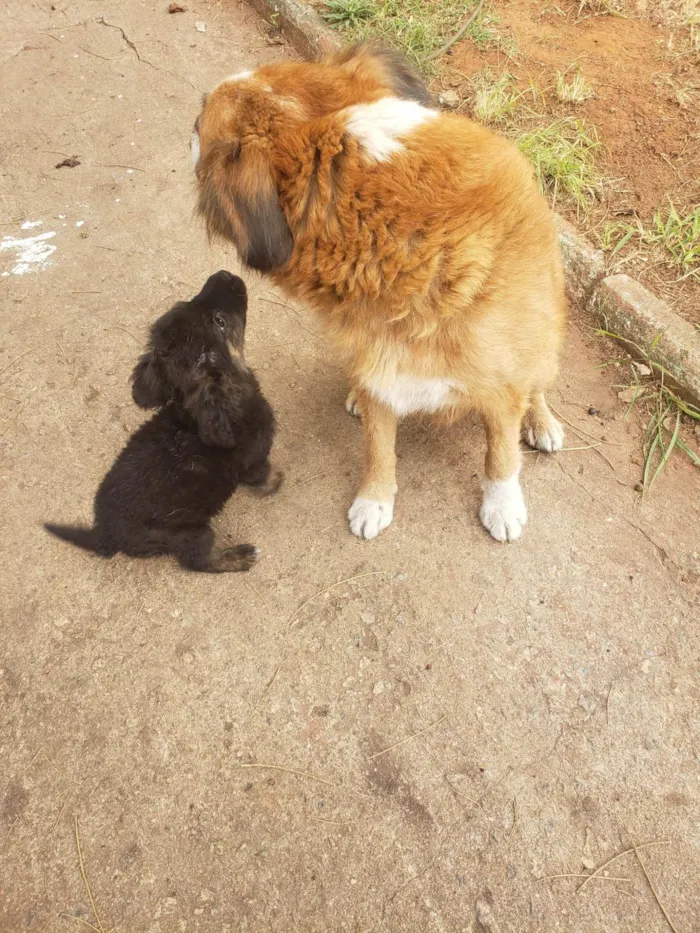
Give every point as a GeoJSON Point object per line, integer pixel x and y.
{"type": "Point", "coordinates": [214, 430]}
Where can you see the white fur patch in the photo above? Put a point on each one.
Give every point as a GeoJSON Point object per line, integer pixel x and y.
{"type": "Point", "coordinates": [549, 439]}
{"type": "Point", "coordinates": [368, 517]}
{"type": "Point", "coordinates": [378, 127]}
{"type": "Point", "coordinates": [503, 513]}
{"type": "Point", "coordinates": [239, 76]}
{"type": "Point", "coordinates": [32, 253]}
{"type": "Point", "coordinates": [194, 148]}
{"type": "Point", "coordinates": [409, 394]}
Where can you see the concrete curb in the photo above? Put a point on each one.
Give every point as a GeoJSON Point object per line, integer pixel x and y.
{"type": "Point", "coordinates": [629, 310]}
{"type": "Point", "coordinates": [301, 25]}
{"type": "Point", "coordinates": [620, 303]}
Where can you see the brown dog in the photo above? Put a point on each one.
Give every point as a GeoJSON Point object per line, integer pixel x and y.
{"type": "Point", "coordinates": [419, 237]}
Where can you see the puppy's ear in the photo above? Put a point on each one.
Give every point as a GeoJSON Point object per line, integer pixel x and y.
{"type": "Point", "coordinates": [390, 68]}
{"type": "Point", "coordinates": [148, 388]}
{"type": "Point", "coordinates": [217, 413]}
{"type": "Point", "coordinates": [239, 201]}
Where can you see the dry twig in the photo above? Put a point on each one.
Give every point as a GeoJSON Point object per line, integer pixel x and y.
{"type": "Point", "coordinates": [372, 573]}
{"type": "Point", "coordinates": [314, 777]}
{"type": "Point", "coordinates": [644, 845]}
{"type": "Point", "coordinates": [407, 739]}
{"type": "Point", "coordinates": [653, 889]}
{"type": "Point", "coordinates": [99, 927]}
{"type": "Point", "coordinates": [456, 37]}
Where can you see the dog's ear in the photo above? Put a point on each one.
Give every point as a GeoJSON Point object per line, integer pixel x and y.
{"type": "Point", "coordinates": [217, 413]}
{"type": "Point", "coordinates": [239, 201]}
{"type": "Point", "coordinates": [390, 68]}
{"type": "Point", "coordinates": [148, 388]}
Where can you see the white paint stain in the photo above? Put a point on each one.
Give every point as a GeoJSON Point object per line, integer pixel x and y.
{"type": "Point", "coordinates": [79, 223]}
{"type": "Point", "coordinates": [32, 252]}
{"type": "Point", "coordinates": [28, 224]}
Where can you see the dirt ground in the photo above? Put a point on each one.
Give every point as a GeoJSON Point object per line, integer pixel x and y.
{"type": "Point", "coordinates": [645, 79]}
{"type": "Point", "coordinates": [554, 682]}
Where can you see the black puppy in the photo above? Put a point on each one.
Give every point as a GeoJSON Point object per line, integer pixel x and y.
{"type": "Point", "coordinates": [214, 430]}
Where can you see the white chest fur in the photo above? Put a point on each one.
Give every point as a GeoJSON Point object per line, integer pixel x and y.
{"type": "Point", "coordinates": [411, 394]}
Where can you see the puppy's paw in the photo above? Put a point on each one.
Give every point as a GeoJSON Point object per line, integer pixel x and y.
{"type": "Point", "coordinates": [270, 486]}
{"type": "Point", "coordinates": [351, 405]}
{"type": "Point", "coordinates": [549, 437]}
{"type": "Point", "coordinates": [503, 513]}
{"type": "Point", "coordinates": [239, 558]}
{"type": "Point", "coordinates": [368, 517]}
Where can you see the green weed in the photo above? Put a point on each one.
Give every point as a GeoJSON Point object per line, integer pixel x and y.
{"type": "Point", "coordinates": [563, 155]}
{"type": "Point", "coordinates": [667, 409]}
{"type": "Point", "coordinates": [494, 98]}
{"type": "Point", "coordinates": [573, 91]}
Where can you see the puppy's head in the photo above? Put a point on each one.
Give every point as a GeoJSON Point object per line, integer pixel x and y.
{"type": "Point", "coordinates": [195, 357]}
{"type": "Point", "coordinates": [244, 139]}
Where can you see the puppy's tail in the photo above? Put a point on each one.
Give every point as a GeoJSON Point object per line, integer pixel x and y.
{"type": "Point", "coordinates": [80, 536]}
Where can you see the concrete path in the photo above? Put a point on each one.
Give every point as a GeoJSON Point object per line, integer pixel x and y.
{"type": "Point", "coordinates": [406, 735]}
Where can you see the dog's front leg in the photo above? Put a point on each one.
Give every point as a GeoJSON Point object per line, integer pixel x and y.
{"type": "Point", "coordinates": [503, 511]}
{"type": "Point", "coordinates": [373, 508]}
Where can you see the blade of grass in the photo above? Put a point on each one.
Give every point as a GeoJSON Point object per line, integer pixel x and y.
{"type": "Point", "coordinates": [669, 449]}
{"type": "Point", "coordinates": [648, 461]}
{"type": "Point", "coordinates": [688, 451]}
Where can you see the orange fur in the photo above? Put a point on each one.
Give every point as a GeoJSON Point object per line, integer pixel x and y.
{"type": "Point", "coordinates": [440, 263]}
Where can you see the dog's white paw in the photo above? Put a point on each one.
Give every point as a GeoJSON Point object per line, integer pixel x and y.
{"type": "Point", "coordinates": [351, 406]}
{"type": "Point", "coordinates": [368, 517]}
{"type": "Point", "coordinates": [548, 439]}
{"type": "Point", "coordinates": [503, 513]}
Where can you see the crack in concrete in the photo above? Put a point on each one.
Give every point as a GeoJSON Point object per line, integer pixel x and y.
{"type": "Point", "coordinates": [103, 22]}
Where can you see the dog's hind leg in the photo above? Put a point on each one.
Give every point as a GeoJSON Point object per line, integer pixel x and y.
{"type": "Point", "coordinates": [352, 406]}
{"type": "Point", "coordinates": [373, 508]}
{"type": "Point", "coordinates": [503, 511]}
{"type": "Point", "coordinates": [263, 479]}
{"type": "Point", "coordinates": [194, 549]}
{"type": "Point", "coordinates": [233, 559]}
{"type": "Point", "coordinates": [541, 429]}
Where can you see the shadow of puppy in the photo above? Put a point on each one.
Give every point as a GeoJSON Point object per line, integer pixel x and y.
{"type": "Point", "coordinates": [214, 430]}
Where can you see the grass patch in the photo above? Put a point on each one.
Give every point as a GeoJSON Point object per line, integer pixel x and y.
{"type": "Point", "coordinates": [347, 14]}
{"type": "Point", "coordinates": [414, 27]}
{"type": "Point", "coordinates": [495, 98]}
{"type": "Point", "coordinates": [677, 234]}
{"type": "Point", "coordinates": [573, 91]}
{"type": "Point", "coordinates": [667, 411]}
{"type": "Point", "coordinates": [599, 8]}
{"type": "Point", "coordinates": [563, 155]}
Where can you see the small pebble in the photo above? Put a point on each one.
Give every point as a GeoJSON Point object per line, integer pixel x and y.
{"type": "Point", "coordinates": [638, 487]}
{"type": "Point", "coordinates": [593, 411]}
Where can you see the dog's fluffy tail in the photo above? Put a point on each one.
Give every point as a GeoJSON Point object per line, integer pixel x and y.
{"type": "Point", "coordinates": [80, 536]}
